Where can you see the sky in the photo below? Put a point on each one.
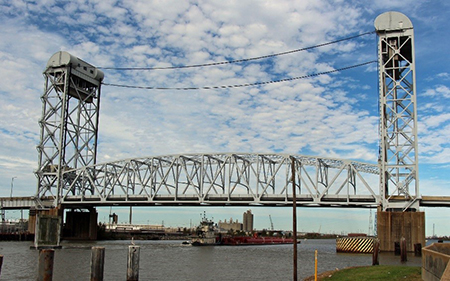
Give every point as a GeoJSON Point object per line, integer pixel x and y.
{"type": "Point", "coordinates": [334, 115]}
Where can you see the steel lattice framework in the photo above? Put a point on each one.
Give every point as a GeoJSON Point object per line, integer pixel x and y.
{"type": "Point", "coordinates": [69, 123]}
{"type": "Point", "coordinates": [398, 117]}
{"type": "Point", "coordinates": [223, 179]}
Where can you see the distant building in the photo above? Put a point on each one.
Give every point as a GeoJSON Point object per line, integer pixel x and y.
{"type": "Point", "coordinates": [246, 226]}
{"type": "Point", "coordinates": [236, 226]}
{"type": "Point", "coordinates": [248, 221]}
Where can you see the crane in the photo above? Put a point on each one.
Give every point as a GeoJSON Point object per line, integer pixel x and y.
{"type": "Point", "coordinates": [271, 223]}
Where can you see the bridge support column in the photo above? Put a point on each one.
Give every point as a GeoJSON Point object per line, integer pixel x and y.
{"type": "Point", "coordinates": [81, 225]}
{"type": "Point", "coordinates": [46, 226]}
{"type": "Point", "coordinates": [393, 225]}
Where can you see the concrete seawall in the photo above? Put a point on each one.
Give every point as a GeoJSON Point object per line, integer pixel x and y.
{"type": "Point", "coordinates": [436, 262]}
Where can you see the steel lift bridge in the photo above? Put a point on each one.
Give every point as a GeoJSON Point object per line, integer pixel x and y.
{"type": "Point", "coordinates": [69, 175]}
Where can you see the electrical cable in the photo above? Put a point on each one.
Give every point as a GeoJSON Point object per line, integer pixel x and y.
{"type": "Point", "coordinates": [240, 85]}
{"type": "Point", "coordinates": [240, 60]}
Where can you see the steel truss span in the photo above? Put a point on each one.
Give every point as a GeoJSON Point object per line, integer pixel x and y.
{"type": "Point", "coordinates": [223, 179]}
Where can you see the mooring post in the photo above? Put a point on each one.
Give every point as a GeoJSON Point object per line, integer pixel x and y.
{"type": "Point", "coordinates": [376, 250]}
{"type": "Point", "coordinates": [1, 263]}
{"type": "Point", "coordinates": [97, 263]}
{"type": "Point", "coordinates": [418, 249]}
{"type": "Point", "coordinates": [294, 219]}
{"type": "Point", "coordinates": [133, 263]}
{"type": "Point", "coordinates": [45, 267]}
{"type": "Point", "coordinates": [315, 265]}
{"type": "Point", "coordinates": [403, 257]}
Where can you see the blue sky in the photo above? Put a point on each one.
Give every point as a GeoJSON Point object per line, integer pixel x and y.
{"type": "Point", "coordinates": [332, 115]}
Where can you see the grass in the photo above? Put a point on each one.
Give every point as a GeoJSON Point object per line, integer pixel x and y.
{"type": "Point", "coordinates": [380, 272]}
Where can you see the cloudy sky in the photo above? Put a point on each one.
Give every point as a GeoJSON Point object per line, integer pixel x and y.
{"type": "Point", "coordinates": [333, 115]}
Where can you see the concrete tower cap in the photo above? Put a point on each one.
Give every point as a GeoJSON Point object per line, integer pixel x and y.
{"type": "Point", "coordinates": [392, 21]}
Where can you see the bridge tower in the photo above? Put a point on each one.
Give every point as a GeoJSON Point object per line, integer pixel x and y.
{"type": "Point", "coordinates": [69, 123]}
{"type": "Point", "coordinates": [399, 182]}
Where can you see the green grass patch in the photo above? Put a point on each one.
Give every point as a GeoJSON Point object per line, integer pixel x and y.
{"type": "Point", "coordinates": [380, 272]}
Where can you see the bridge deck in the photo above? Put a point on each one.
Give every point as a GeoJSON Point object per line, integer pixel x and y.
{"type": "Point", "coordinates": [15, 203]}
{"type": "Point", "coordinates": [225, 200]}
{"type": "Point", "coordinates": [435, 201]}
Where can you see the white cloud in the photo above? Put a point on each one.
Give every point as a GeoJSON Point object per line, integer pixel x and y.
{"type": "Point", "coordinates": [434, 126]}
{"type": "Point", "coordinates": [439, 91]}
{"type": "Point", "coordinates": [334, 115]}
{"type": "Point", "coordinates": [436, 120]}
{"type": "Point", "coordinates": [444, 75]}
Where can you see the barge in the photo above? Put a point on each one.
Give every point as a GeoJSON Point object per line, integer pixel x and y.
{"type": "Point", "coordinates": [208, 235]}
{"type": "Point", "coordinates": [255, 240]}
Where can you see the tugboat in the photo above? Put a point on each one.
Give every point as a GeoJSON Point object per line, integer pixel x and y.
{"type": "Point", "coordinates": [207, 233]}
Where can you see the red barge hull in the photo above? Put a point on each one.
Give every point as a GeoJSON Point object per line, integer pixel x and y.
{"type": "Point", "coordinates": [244, 240]}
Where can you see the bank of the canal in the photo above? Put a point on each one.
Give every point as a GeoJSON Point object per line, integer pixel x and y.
{"type": "Point", "coordinates": [369, 273]}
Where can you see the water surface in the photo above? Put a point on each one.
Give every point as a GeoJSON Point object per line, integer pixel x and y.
{"type": "Point", "coordinates": [170, 260]}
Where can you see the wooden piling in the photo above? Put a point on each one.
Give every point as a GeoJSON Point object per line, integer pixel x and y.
{"type": "Point", "coordinates": [45, 267]}
{"type": "Point", "coordinates": [403, 257]}
{"type": "Point", "coordinates": [418, 250]}
{"type": "Point", "coordinates": [397, 251]}
{"type": "Point", "coordinates": [294, 219]}
{"type": "Point", "coordinates": [1, 263]}
{"type": "Point", "coordinates": [97, 263]}
{"type": "Point", "coordinates": [133, 263]}
{"type": "Point", "coordinates": [376, 250]}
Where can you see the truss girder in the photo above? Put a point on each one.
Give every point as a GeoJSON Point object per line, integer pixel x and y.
{"type": "Point", "coordinates": [224, 179]}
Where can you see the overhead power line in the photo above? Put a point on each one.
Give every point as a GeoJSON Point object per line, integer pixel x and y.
{"type": "Point", "coordinates": [240, 85]}
{"type": "Point", "coordinates": [240, 60]}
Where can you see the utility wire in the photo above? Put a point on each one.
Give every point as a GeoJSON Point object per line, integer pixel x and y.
{"type": "Point", "coordinates": [240, 60]}
{"type": "Point", "coordinates": [240, 85]}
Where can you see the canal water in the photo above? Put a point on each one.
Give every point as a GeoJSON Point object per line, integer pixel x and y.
{"type": "Point", "coordinates": [170, 260]}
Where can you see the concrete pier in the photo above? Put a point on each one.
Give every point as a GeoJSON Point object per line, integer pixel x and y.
{"type": "Point", "coordinates": [47, 227]}
{"type": "Point", "coordinates": [81, 225]}
{"type": "Point", "coordinates": [392, 226]}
